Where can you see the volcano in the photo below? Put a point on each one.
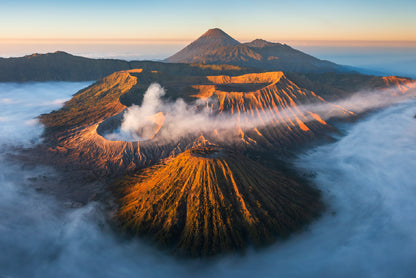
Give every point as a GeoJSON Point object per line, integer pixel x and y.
{"type": "Point", "coordinates": [208, 200]}
{"type": "Point", "coordinates": [217, 47]}
{"type": "Point", "coordinates": [78, 130]}
{"type": "Point", "coordinates": [212, 39]}
{"type": "Point", "coordinates": [205, 192]}
{"type": "Point", "coordinates": [270, 100]}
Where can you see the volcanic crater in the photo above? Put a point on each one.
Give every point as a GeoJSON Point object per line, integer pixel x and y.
{"type": "Point", "coordinates": [210, 200]}
{"type": "Point", "coordinates": [110, 128]}
{"type": "Point", "coordinates": [199, 194]}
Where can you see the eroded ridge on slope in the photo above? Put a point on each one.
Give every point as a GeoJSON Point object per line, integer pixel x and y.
{"type": "Point", "coordinates": [277, 109]}
{"type": "Point", "coordinates": [75, 131]}
{"type": "Point", "coordinates": [208, 200]}
{"type": "Point", "coordinates": [268, 111]}
{"type": "Point", "coordinates": [401, 84]}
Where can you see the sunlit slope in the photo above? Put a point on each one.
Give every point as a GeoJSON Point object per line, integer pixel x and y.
{"type": "Point", "coordinates": [270, 108]}
{"type": "Point", "coordinates": [93, 104]}
{"type": "Point", "coordinates": [335, 86]}
{"type": "Point", "coordinates": [256, 111]}
{"type": "Point", "coordinates": [208, 200]}
{"type": "Point", "coordinates": [71, 132]}
{"type": "Point", "coordinates": [275, 113]}
{"type": "Point", "coordinates": [401, 83]}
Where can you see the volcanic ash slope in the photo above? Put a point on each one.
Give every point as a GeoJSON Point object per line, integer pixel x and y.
{"type": "Point", "coordinates": [208, 200]}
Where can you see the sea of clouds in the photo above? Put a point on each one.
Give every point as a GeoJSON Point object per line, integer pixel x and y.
{"type": "Point", "coordinates": [367, 178]}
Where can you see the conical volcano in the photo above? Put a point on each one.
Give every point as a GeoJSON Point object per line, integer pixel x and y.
{"type": "Point", "coordinates": [218, 37]}
{"type": "Point", "coordinates": [212, 39]}
{"type": "Point", "coordinates": [208, 200]}
{"type": "Point", "coordinates": [217, 47]}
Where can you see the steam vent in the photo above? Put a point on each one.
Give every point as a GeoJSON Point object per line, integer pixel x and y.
{"type": "Point", "coordinates": [208, 200]}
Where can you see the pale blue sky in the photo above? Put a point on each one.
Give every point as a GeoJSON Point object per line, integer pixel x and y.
{"type": "Point", "coordinates": [244, 20]}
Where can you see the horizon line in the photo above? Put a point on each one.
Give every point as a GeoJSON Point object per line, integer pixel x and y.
{"type": "Point", "coordinates": [305, 42]}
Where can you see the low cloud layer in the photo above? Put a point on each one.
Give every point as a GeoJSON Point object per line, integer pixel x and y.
{"type": "Point", "coordinates": [21, 103]}
{"type": "Point", "coordinates": [367, 179]}
{"type": "Point", "coordinates": [182, 119]}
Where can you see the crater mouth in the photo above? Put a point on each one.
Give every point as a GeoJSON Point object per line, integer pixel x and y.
{"type": "Point", "coordinates": [208, 151]}
{"type": "Point", "coordinates": [112, 129]}
{"type": "Point", "coordinates": [241, 87]}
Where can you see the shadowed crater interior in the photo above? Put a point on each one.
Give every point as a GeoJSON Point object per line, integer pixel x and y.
{"type": "Point", "coordinates": [241, 87]}
{"type": "Point", "coordinates": [146, 129]}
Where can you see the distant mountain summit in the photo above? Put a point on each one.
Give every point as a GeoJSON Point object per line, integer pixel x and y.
{"type": "Point", "coordinates": [259, 43]}
{"type": "Point", "coordinates": [217, 47]}
{"type": "Point", "coordinates": [212, 39]}
{"type": "Point", "coordinates": [220, 36]}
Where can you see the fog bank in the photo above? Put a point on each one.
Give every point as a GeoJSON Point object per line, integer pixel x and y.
{"type": "Point", "coordinates": [367, 179]}
{"type": "Point", "coordinates": [21, 103]}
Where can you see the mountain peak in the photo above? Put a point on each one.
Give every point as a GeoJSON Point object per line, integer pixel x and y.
{"type": "Point", "coordinates": [60, 52]}
{"type": "Point", "coordinates": [259, 43]}
{"type": "Point", "coordinates": [217, 47]}
{"type": "Point", "coordinates": [215, 32]}
{"type": "Point", "coordinates": [212, 39]}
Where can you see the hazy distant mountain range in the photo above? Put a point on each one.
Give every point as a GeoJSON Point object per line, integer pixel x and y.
{"type": "Point", "coordinates": [214, 47]}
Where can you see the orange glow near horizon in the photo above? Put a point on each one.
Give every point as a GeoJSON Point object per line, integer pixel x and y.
{"type": "Point", "coordinates": [272, 34]}
{"type": "Point", "coordinates": [278, 21]}
{"type": "Point", "coordinates": [185, 41]}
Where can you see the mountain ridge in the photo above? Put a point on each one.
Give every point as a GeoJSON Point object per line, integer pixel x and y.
{"type": "Point", "coordinates": [222, 48]}
{"type": "Point", "coordinates": [63, 66]}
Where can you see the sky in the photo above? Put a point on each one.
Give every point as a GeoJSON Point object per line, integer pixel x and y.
{"type": "Point", "coordinates": [373, 20]}
{"type": "Point", "coordinates": [377, 35]}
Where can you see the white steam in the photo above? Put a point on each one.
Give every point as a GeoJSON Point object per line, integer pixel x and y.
{"type": "Point", "coordinates": [138, 119]}
{"type": "Point", "coordinates": [367, 179]}
{"type": "Point", "coordinates": [363, 101]}
{"type": "Point", "coordinates": [182, 119]}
